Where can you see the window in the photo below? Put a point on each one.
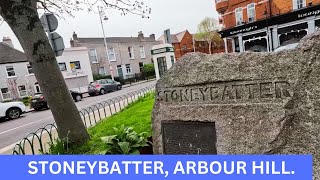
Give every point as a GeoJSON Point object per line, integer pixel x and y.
{"type": "Point", "coordinates": [22, 91]}
{"type": "Point", "coordinates": [76, 64]}
{"type": "Point", "coordinates": [5, 94]}
{"type": "Point", "coordinates": [184, 47]}
{"type": "Point", "coordinates": [251, 12]}
{"type": "Point", "coordinates": [128, 68]}
{"type": "Point", "coordinates": [172, 60]}
{"type": "Point", "coordinates": [112, 54]}
{"type": "Point", "coordinates": [141, 66]}
{"type": "Point", "coordinates": [102, 81]}
{"type": "Point", "coordinates": [93, 55]}
{"type": "Point", "coordinates": [142, 52]}
{"type": "Point", "coordinates": [30, 71]}
{"type": "Point", "coordinates": [298, 4]}
{"type": "Point", "coordinates": [131, 54]}
{"type": "Point", "coordinates": [239, 16]}
{"type": "Point", "coordinates": [62, 66]}
{"type": "Point", "coordinates": [102, 70]}
{"type": "Point", "coordinates": [10, 71]}
{"type": "Point", "coordinates": [109, 81]}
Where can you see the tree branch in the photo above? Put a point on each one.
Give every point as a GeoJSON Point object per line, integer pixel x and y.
{"type": "Point", "coordinates": [68, 6]}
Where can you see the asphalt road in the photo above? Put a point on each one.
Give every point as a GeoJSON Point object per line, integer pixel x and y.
{"type": "Point", "coordinates": [14, 130]}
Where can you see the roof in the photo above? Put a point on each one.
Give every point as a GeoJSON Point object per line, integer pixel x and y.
{"type": "Point", "coordinates": [180, 35]}
{"type": "Point", "coordinates": [173, 38]}
{"type": "Point", "coordinates": [10, 55]}
{"type": "Point", "coordinates": [176, 38]}
{"type": "Point", "coordinates": [115, 40]}
{"type": "Point", "coordinates": [70, 49]}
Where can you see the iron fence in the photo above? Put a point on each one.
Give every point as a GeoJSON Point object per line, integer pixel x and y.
{"type": "Point", "coordinates": [40, 140]}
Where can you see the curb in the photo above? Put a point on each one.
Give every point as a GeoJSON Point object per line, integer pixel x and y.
{"type": "Point", "coordinates": [29, 110]}
{"type": "Point", "coordinates": [32, 110]}
{"type": "Point", "coordinates": [140, 82]}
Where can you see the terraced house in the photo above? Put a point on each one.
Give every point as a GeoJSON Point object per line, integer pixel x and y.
{"type": "Point", "coordinates": [17, 79]}
{"type": "Point", "coordinates": [264, 25]}
{"type": "Point", "coordinates": [16, 76]}
{"type": "Point", "coordinates": [126, 55]}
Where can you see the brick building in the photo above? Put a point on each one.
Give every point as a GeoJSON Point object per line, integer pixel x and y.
{"type": "Point", "coordinates": [264, 25]}
{"type": "Point", "coordinates": [182, 43]}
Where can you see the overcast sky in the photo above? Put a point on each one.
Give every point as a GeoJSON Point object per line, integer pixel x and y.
{"type": "Point", "coordinates": [178, 15]}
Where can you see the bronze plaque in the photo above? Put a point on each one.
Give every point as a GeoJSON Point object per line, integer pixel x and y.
{"type": "Point", "coordinates": [180, 137]}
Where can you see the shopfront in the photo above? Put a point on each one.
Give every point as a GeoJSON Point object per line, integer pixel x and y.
{"type": "Point", "coordinates": [268, 34]}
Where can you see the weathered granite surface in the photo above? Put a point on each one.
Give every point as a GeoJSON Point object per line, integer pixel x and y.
{"type": "Point", "coordinates": [261, 103]}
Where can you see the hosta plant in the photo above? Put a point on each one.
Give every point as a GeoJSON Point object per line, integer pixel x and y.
{"type": "Point", "coordinates": [125, 141]}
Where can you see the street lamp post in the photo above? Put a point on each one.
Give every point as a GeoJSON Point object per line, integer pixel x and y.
{"type": "Point", "coordinates": [105, 41]}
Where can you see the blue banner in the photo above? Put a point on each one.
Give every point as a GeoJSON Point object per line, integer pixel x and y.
{"type": "Point", "coordinates": [240, 167]}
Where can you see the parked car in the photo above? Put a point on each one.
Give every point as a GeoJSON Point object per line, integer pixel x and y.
{"type": "Point", "coordinates": [39, 102]}
{"type": "Point", "coordinates": [12, 110]}
{"type": "Point", "coordinates": [286, 47]}
{"type": "Point", "coordinates": [103, 86]}
{"type": "Point", "coordinates": [77, 96]}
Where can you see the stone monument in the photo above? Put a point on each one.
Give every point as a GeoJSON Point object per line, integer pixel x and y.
{"type": "Point", "coordinates": [245, 103]}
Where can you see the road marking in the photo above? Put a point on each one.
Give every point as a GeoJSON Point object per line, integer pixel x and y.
{"type": "Point", "coordinates": [23, 125]}
{"type": "Point", "coordinates": [87, 105]}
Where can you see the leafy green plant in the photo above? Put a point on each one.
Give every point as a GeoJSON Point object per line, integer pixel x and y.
{"type": "Point", "coordinates": [125, 141]}
{"type": "Point", "coordinates": [148, 70]}
{"type": "Point", "coordinates": [57, 147]}
{"type": "Point", "coordinates": [100, 76]}
{"type": "Point", "coordinates": [26, 100]}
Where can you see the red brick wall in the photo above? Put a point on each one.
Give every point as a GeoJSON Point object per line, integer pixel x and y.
{"type": "Point", "coordinates": [187, 40]}
{"type": "Point", "coordinates": [177, 50]}
{"type": "Point", "coordinates": [281, 7]}
{"type": "Point", "coordinates": [278, 7]}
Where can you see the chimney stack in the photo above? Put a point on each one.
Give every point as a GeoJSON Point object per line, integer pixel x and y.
{"type": "Point", "coordinates": [75, 36]}
{"type": "Point", "coordinates": [7, 41]}
{"type": "Point", "coordinates": [140, 35]}
{"type": "Point", "coordinates": [71, 43]}
{"type": "Point", "coordinates": [153, 36]}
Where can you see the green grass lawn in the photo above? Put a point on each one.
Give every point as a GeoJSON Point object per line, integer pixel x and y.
{"type": "Point", "coordinates": [136, 115]}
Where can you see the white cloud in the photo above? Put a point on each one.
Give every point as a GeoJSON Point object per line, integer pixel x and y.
{"type": "Point", "coordinates": [178, 15]}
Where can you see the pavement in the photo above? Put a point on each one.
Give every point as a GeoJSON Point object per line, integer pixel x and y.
{"type": "Point", "coordinates": [13, 131]}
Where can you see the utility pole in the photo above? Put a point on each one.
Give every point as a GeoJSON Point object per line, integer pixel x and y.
{"type": "Point", "coordinates": [194, 43]}
{"type": "Point", "coordinates": [105, 41]}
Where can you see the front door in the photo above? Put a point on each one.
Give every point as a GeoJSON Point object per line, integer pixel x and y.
{"type": "Point", "coordinates": [120, 72]}
{"type": "Point", "coordinates": [162, 65]}
{"type": "Point", "coordinates": [37, 88]}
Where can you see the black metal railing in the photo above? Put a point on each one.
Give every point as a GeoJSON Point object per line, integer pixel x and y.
{"type": "Point", "coordinates": [40, 140]}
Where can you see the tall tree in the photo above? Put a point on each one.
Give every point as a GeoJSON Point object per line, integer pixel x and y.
{"type": "Point", "coordinates": [22, 17]}
{"type": "Point", "coordinates": [207, 31]}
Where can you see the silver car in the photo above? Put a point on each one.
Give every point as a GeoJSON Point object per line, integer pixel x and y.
{"type": "Point", "coordinates": [103, 86]}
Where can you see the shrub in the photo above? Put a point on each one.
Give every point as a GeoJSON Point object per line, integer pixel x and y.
{"type": "Point", "coordinates": [26, 100]}
{"type": "Point", "coordinates": [125, 141]}
{"type": "Point", "coordinates": [148, 70]}
{"type": "Point", "coordinates": [101, 76]}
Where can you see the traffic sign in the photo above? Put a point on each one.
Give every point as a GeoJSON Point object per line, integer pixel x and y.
{"type": "Point", "coordinates": [49, 21]}
{"type": "Point", "coordinates": [58, 44]}
{"type": "Point", "coordinates": [73, 68]}
{"type": "Point", "coordinates": [50, 24]}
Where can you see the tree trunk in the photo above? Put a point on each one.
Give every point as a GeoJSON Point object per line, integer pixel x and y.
{"type": "Point", "coordinates": [22, 17]}
{"type": "Point", "coordinates": [210, 45]}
